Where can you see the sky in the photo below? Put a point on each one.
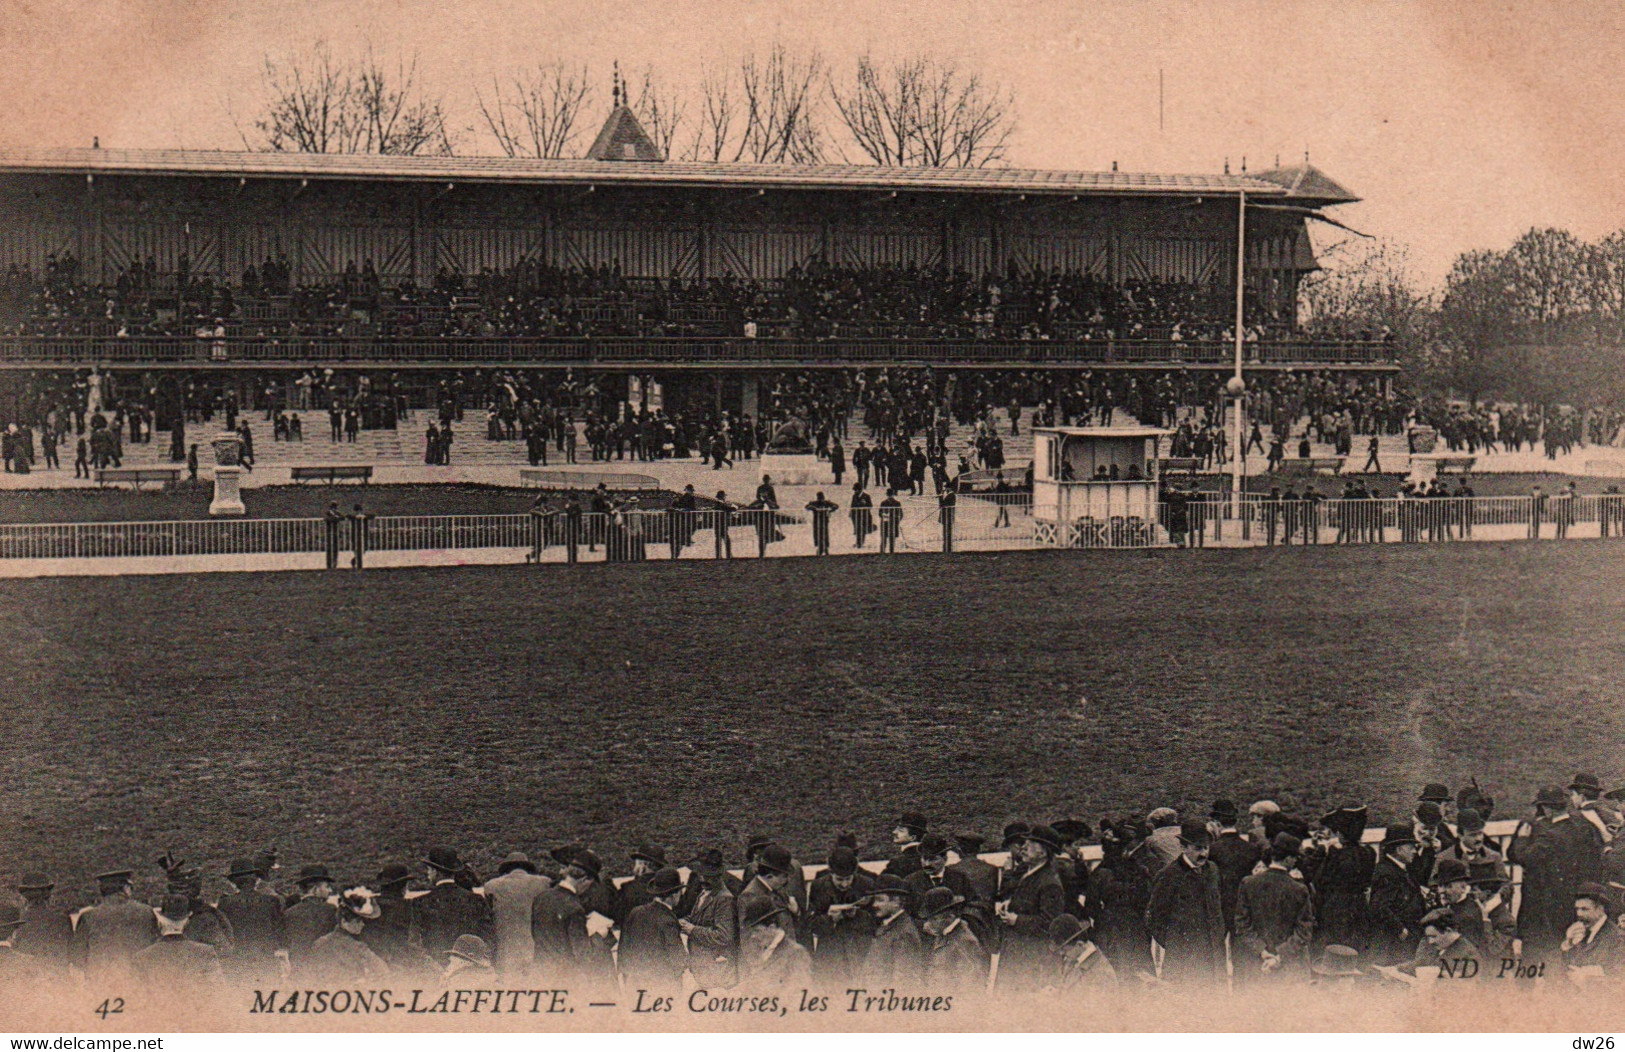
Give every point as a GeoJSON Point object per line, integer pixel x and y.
{"type": "Point", "coordinates": [1461, 124]}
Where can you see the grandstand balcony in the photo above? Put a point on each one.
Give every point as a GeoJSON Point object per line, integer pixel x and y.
{"type": "Point", "coordinates": [615, 352]}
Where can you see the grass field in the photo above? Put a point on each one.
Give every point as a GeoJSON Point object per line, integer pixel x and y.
{"type": "Point", "coordinates": [350, 718]}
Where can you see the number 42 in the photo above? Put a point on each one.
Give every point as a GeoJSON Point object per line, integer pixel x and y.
{"type": "Point", "coordinates": [111, 1006]}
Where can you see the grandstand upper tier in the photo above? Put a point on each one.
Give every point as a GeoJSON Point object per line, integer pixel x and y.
{"type": "Point", "coordinates": [622, 260]}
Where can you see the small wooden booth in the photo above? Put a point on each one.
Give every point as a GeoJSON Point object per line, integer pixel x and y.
{"type": "Point", "coordinates": [1097, 487]}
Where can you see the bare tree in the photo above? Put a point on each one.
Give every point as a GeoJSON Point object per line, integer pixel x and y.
{"type": "Point", "coordinates": [780, 99]}
{"type": "Point", "coordinates": [714, 131]}
{"type": "Point", "coordinates": [539, 113]}
{"type": "Point", "coordinates": [924, 112]}
{"type": "Point", "coordinates": [318, 103]}
{"type": "Point", "coordinates": [659, 111]}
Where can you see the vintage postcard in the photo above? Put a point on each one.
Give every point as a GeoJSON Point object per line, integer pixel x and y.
{"type": "Point", "coordinates": [776, 517]}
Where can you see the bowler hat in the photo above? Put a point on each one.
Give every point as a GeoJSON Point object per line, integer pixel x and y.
{"type": "Point", "coordinates": [471, 948]}
{"type": "Point", "coordinates": [175, 907]}
{"type": "Point", "coordinates": [843, 862]}
{"type": "Point", "coordinates": [579, 857]}
{"type": "Point", "coordinates": [1489, 873]}
{"type": "Point", "coordinates": [707, 863]}
{"type": "Point", "coordinates": [933, 846]}
{"type": "Point", "coordinates": [1449, 870]}
{"type": "Point", "coordinates": [1397, 834]}
{"type": "Point", "coordinates": [444, 859]}
{"type": "Point", "coordinates": [969, 843]}
{"type": "Point", "coordinates": [651, 853]}
{"type": "Point", "coordinates": [761, 911]}
{"type": "Point", "coordinates": [1586, 784]}
{"type": "Point", "coordinates": [313, 873]}
{"type": "Point", "coordinates": [393, 873]}
{"type": "Point", "coordinates": [1046, 836]}
{"type": "Point", "coordinates": [35, 882]}
{"type": "Point", "coordinates": [1065, 930]}
{"type": "Point", "coordinates": [10, 917]}
{"type": "Point", "coordinates": [1434, 792]}
{"type": "Point", "coordinates": [1071, 829]}
{"type": "Point", "coordinates": [1429, 814]}
{"type": "Point", "coordinates": [1014, 833]}
{"type": "Point", "coordinates": [914, 822]}
{"type": "Point", "coordinates": [1193, 831]}
{"type": "Point", "coordinates": [775, 858]}
{"type": "Point", "coordinates": [1551, 796]}
{"type": "Point", "coordinates": [889, 884]}
{"type": "Point", "coordinates": [515, 860]}
{"type": "Point", "coordinates": [666, 881]}
{"type": "Point", "coordinates": [1598, 893]}
{"type": "Point", "coordinates": [1469, 821]}
{"type": "Point", "coordinates": [1347, 821]}
{"type": "Point", "coordinates": [756, 843]}
{"type": "Point", "coordinates": [243, 867]}
{"type": "Point", "coordinates": [114, 876]}
{"type": "Point", "coordinates": [938, 900]}
{"type": "Point", "coordinates": [360, 902]}
{"type": "Point", "coordinates": [1338, 960]}
{"type": "Point", "coordinates": [1285, 844]}
{"type": "Point", "coordinates": [1224, 811]}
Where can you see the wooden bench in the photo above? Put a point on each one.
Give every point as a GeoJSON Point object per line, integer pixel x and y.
{"type": "Point", "coordinates": [1458, 465]}
{"type": "Point", "coordinates": [556, 478]}
{"type": "Point", "coordinates": [1312, 465]}
{"type": "Point", "coordinates": [331, 473]}
{"type": "Point", "coordinates": [1189, 465]}
{"type": "Point", "coordinates": [167, 476]}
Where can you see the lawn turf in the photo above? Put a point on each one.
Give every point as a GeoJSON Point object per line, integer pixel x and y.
{"type": "Point", "coordinates": [350, 718]}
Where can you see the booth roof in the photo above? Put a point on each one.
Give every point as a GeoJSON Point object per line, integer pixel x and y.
{"type": "Point", "coordinates": [1103, 432]}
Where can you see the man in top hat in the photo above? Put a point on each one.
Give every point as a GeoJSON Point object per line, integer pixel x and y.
{"type": "Point", "coordinates": [342, 957]}
{"type": "Point", "coordinates": [1079, 963]}
{"type": "Point", "coordinates": [955, 959]}
{"type": "Point", "coordinates": [512, 895]}
{"type": "Point", "coordinates": [1275, 918]}
{"type": "Point", "coordinates": [174, 964]}
{"type": "Point", "coordinates": [109, 934]}
{"type": "Point", "coordinates": [906, 836]}
{"type": "Point", "coordinates": [47, 932]}
{"type": "Point", "coordinates": [981, 877]}
{"type": "Point", "coordinates": [1592, 947]}
{"type": "Point", "coordinates": [1031, 896]}
{"type": "Point", "coordinates": [258, 932]}
{"type": "Point", "coordinates": [1232, 853]}
{"type": "Point", "coordinates": [449, 909]}
{"type": "Point", "coordinates": [837, 919]}
{"type": "Point", "coordinates": [18, 970]}
{"type": "Point", "coordinates": [770, 882]}
{"type": "Point", "coordinates": [896, 954]}
{"type": "Point", "coordinates": [1185, 915]}
{"type": "Point", "coordinates": [1543, 847]}
{"type": "Point", "coordinates": [1397, 903]}
{"type": "Point", "coordinates": [652, 953]}
{"type": "Point", "coordinates": [312, 917]}
{"type": "Point", "coordinates": [769, 957]}
{"type": "Point", "coordinates": [647, 860]}
{"type": "Point", "coordinates": [469, 963]}
{"type": "Point", "coordinates": [709, 917]}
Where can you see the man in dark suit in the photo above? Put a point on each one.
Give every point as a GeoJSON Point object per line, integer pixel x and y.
{"type": "Point", "coordinates": [393, 934]}
{"type": "Point", "coordinates": [47, 932]}
{"type": "Point", "coordinates": [796, 888]}
{"type": "Point", "coordinates": [1071, 865]}
{"type": "Point", "coordinates": [1397, 904]}
{"type": "Point", "coordinates": [1546, 906]}
{"type": "Point", "coordinates": [982, 877]}
{"type": "Point", "coordinates": [1233, 854]}
{"type": "Point", "coordinates": [652, 955]}
{"type": "Point", "coordinates": [934, 871]}
{"type": "Point", "coordinates": [1274, 918]}
{"type": "Point", "coordinates": [449, 909]}
{"type": "Point", "coordinates": [311, 917]}
{"type": "Point", "coordinates": [837, 920]}
{"type": "Point", "coordinates": [173, 966]}
{"type": "Point", "coordinates": [110, 933]}
{"type": "Point", "coordinates": [955, 959]}
{"type": "Point", "coordinates": [1592, 947]}
{"type": "Point", "coordinates": [1185, 916]}
{"type": "Point", "coordinates": [1030, 899]}
{"type": "Point", "coordinates": [905, 837]}
{"type": "Point", "coordinates": [258, 934]}
{"type": "Point", "coordinates": [770, 883]}
{"type": "Point", "coordinates": [709, 916]}
{"type": "Point", "coordinates": [896, 954]}
{"type": "Point", "coordinates": [647, 860]}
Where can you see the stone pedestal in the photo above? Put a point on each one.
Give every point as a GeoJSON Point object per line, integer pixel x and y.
{"type": "Point", "coordinates": [228, 499]}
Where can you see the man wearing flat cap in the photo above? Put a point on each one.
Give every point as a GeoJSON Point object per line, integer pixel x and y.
{"type": "Point", "coordinates": [955, 959]}
{"type": "Point", "coordinates": [311, 917]}
{"type": "Point", "coordinates": [258, 932]}
{"type": "Point", "coordinates": [110, 933]}
{"type": "Point", "coordinates": [1233, 854]}
{"type": "Point", "coordinates": [449, 909]}
{"type": "Point", "coordinates": [709, 917]}
{"type": "Point", "coordinates": [1030, 899]}
{"type": "Point", "coordinates": [46, 934]}
{"type": "Point", "coordinates": [1552, 869]}
{"type": "Point", "coordinates": [652, 955]}
{"type": "Point", "coordinates": [1275, 918]}
{"type": "Point", "coordinates": [896, 954]}
{"type": "Point", "coordinates": [1397, 903]}
{"type": "Point", "coordinates": [838, 920]}
{"type": "Point", "coordinates": [512, 895]}
{"type": "Point", "coordinates": [1185, 915]}
{"type": "Point", "coordinates": [770, 882]}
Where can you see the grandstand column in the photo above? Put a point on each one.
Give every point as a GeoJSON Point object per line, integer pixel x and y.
{"type": "Point", "coordinates": [748, 395]}
{"type": "Point", "coordinates": [1238, 386]}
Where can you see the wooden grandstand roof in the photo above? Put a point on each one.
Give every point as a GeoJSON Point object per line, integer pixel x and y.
{"type": "Point", "coordinates": [530, 171]}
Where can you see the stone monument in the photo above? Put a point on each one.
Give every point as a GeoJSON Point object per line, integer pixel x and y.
{"type": "Point", "coordinates": [228, 470]}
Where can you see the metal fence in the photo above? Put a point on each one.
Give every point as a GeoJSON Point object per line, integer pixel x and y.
{"type": "Point", "coordinates": [918, 523]}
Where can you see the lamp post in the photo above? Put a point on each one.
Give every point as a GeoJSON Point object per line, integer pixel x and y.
{"type": "Point", "coordinates": [1236, 387]}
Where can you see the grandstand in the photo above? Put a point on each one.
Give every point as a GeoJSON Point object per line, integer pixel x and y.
{"type": "Point", "coordinates": [152, 263]}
